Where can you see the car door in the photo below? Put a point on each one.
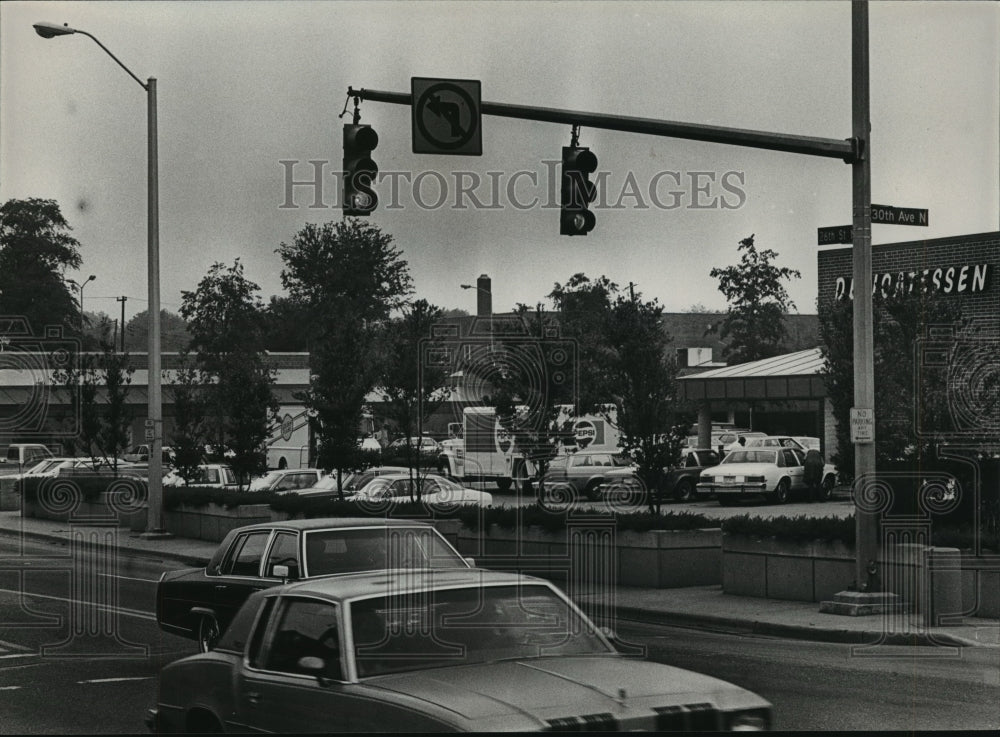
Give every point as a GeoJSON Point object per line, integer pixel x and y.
{"type": "Point", "coordinates": [239, 575]}
{"type": "Point", "coordinates": [277, 691]}
{"type": "Point", "coordinates": [794, 467]}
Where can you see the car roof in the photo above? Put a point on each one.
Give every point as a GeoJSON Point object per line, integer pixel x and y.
{"type": "Point", "coordinates": [369, 583]}
{"type": "Point", "coordinates": [329, 523]}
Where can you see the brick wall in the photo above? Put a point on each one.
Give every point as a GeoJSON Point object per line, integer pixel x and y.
{"type": "Point", "coordinates": [913, 257]}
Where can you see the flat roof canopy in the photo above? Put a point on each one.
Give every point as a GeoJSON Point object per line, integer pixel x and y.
{"type": "Point", "coordinates": [791, 376]}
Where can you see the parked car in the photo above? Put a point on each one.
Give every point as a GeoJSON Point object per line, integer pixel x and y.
{"type": "Point", "coordinates": [774, 441]}
{"type": "Point", "coordinates": [679, 482]}
{"type": "Point", "coordinates": [434, 490]}
{"type": "Point", "coordinates": [480, 651]}
{"type": "Point", "coordinates": [774, 473]}
{"type": "Point", "coordinates": [728, 439]}
{"type": "Point", "coordinates": [287, 480]}
{"type": "Point", "coordinates": [809, 443]}
{"type": "Point", "coordinates": [584, 471]}
{"type": "Point", "coordinates": [217, 475]}
{"type": "Point", "coordinates": [140, 454]}
{"type": "Point", "coordinates": [98, 467]}
{"type": "Point", "coordinates": [326, 487]}
{"type": "Point", "coordinates": [19, 457]}
{"type": "Point", "coordinates": [428, 446]}
{"type": "Point", "coordinates": [200, 603]}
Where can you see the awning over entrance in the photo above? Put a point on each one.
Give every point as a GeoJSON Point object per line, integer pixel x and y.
{"type": "Point", "coordinates": [791, 376]}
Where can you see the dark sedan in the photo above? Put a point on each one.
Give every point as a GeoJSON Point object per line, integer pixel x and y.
{"type": "Point", "coordinates": [583, 471]}
{"type": "Point", "coordinates": [679, 482]}
{"type": "Point", "coordinates": [200, 602]}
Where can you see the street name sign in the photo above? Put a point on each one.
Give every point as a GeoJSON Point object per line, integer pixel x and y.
{"type": "Point", "coordinates": [447, 116]}
{"type": "Point", "coordinates": [835, 234]}
{"type": "Point", "coordinates": [862, 425]}
{"type": "Point", "coordinates": [899, 215]}
{"type": "Point", "coordinates": [883, 214]}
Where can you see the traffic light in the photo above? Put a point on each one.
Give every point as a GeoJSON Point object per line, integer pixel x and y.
{"type": "Point", "coordinates": [359, 170]}
{"type": "Point", "coordinates": [578, 191]}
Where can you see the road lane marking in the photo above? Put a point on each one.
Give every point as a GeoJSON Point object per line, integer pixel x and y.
{"type": "Point", "coordinates": [117, 680]}
{"type": "Point", "coordinates": [18, 655]}
{"type": "Point", "coordinates": [129, 578]}
{"type": "Point", "coordinates": [9, 688]}
{"type": "Point", "coordinates": [103, 607]}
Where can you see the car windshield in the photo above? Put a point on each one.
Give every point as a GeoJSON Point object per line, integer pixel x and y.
{"type": "Point", "coordinates": [347, 551]}
{"type": "Point", "coordinates": [265, 481]}
{"type": "Point", "coordinates": [463, 626]}
{"type": "Point", "coordinates": [750, 456]}
{"type": "Point", "coordinates": [330, 482]}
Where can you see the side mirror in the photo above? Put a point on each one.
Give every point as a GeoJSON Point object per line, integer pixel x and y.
{"type": "Point", "coordinates": [285, 572]}
{"type": "Point", "coordinates": [311, 664]}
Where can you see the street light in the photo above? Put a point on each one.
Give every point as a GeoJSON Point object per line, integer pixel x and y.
{"type": "Point", "coordinates": [85, 283]}
{"type": "Point", "coordinates": [154, 524]}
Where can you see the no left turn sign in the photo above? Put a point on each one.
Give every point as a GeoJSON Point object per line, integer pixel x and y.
{"type": "Point", "coordinates": [447, 116]}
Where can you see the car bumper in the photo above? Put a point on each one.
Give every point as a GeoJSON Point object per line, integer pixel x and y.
{"type": "Point", "coordinates": [732, 489]}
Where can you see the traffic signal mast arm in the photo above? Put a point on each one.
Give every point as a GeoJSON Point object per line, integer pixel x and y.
{"type": "Point", "coordinates": [846, 149]}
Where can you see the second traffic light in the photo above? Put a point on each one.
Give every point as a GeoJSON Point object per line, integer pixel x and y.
{"type": "Point", "coordinates": [359, 170]}
{"type": "Point", "coordinates": [578, 191]}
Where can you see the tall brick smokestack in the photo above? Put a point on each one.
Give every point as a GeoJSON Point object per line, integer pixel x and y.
{"type": "Point", "coordinates": [484, 296]}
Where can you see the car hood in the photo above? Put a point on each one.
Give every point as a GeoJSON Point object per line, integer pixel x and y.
{"type": "Point", "coordinates": [528, 693]}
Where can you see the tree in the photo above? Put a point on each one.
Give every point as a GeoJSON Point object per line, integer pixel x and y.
{"type": "Point", "coordinates": [345, 278]}
{"type": "Point", "coordinates": [287, 326]}
{"type": "Point", "coordinates": [36, 249]}
{"type": "Point", "coordinates": [116, 375]}
{"type": "Point", "coordinates": [190, 433]}
{"type": "Point", "coordinates": [226, 319]}
{"type": "Point", "coordinates": [911, 400]}
{"type": "Point", "coordinates": [755, 320]}
{"type": "Point", "coordinates": [651, 428]}
{"type": "Point", "coordinates": [412, 387]}
{"type": "Point", "coordinates": [584, 309]}
{"type": "Point", "coordinates": [174, 334]}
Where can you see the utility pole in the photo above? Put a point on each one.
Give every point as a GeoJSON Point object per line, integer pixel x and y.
{"type": "Point", "coordinates": [123, 299]}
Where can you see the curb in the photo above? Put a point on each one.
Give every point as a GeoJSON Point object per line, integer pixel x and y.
{"type": "Point", "coordinates": [796, 632]}
{"type": "Point", "coordinates": [181, 558]}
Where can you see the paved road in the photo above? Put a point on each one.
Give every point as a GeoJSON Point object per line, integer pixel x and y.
{"type": "Point", "coordinates": [99, 669]}
{"type": "Point", "coordinates": [825, 686]}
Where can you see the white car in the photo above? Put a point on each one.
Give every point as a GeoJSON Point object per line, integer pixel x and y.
{"type": "Point", "coordinates": [773, 441]}
{"type": "Point", "coordinates": [434, 489]}
{"type": "Point", "coordinates": [809, 443]}
{"type": "Point", "coordinates": [287, 480]}
{"type": "Point", "coordinates": [774, 473]}
{"type": "Point", "coordinates": [212, 474]}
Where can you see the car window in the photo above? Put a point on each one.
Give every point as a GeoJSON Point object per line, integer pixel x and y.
{"type": "Point", "coordinates": [430, 486]}
{"type": "Point", "coordinates": [234, 639]}
{"type": "Point", "coordinates": [305, 628]}
{"type": "Point", "coordinates": [580, 461]}
{"type": "Point", "coordinates": [558, 463]}
{"type": "Point", "coordinates": [284, 552]}
{"type": "Point", "coordinates": [210, 475]}
{"type": "Point", "coordinates": [620, 461]}
{"type": "Point", "coordinates": [244, 559]}
{"type": "Point", "coordinates": [798, 458]}
{"type": "Point", "coordinates": [346, 551]}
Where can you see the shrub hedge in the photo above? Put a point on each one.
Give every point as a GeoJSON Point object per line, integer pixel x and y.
{"type": "Point", "coordinates": [798, 529]}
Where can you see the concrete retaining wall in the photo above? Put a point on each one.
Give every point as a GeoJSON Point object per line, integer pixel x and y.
{"type": "Point", "coordinates": [654, 559]}
{"type": "Point", "coordinates": [774, 569]}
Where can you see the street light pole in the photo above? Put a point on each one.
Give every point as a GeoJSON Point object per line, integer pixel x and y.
{"type": "Point", "coordinates": [85, 283]}
{"type": "Point", "coordinates": [154, 522]}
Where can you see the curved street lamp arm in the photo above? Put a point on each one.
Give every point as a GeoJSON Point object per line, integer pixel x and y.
{"type": "Point", "coordinates": [117, 60]}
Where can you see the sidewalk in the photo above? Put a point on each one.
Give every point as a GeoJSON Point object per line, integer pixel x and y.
{"type": "Point", "coordinates": [703, 607]}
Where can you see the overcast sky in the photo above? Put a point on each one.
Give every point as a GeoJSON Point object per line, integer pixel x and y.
{"type": "Point", "coordinates": [244, 86]}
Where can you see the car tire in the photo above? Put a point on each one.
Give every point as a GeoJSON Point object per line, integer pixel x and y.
{"type": "Point", "coordinates": [208, 633]}
{"type": "Point", "coordinates": [826, 489]}
{"type": "Point", "coordinates": [200, 721]}
{"type": "Point", "coordinates": [781, 493]}
{"type": "Point", "coordinates": [503, 485]}
{"type": "Point", "coordinates": [684, 491]}
{"type": "Point", "coordinates": [591, 491]}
